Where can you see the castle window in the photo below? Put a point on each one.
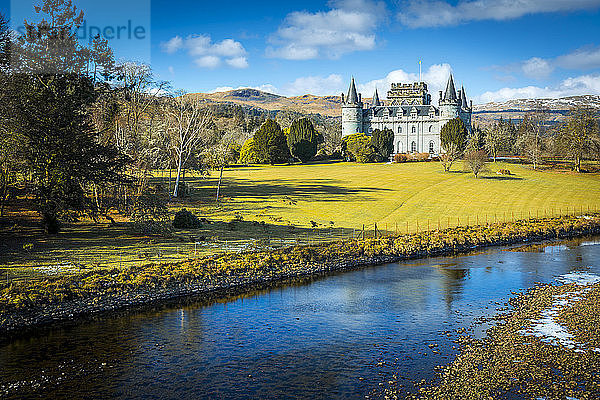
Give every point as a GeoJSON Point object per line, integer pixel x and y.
{"type": "Point", "coordinates": [431, 147]}
{"type": "Point", "coordinates": [399, 147]}
{"type": "Point", "coordinates": [413, 147]}
{"type": "Point", "coordinates": [400, 130]}
{"type": "Point", "coordinates": [414, 129]}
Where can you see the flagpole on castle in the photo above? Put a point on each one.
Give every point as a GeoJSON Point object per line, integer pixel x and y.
{"type": "Point", "coordinates": [420, 79]}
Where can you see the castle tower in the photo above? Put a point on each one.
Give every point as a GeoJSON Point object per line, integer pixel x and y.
{"type": "Point", "coordinates": [449, 103]}
{"type": "Point", "coordinates": [465, 109]}
{"type": "Point", "coordinates": [352, 110]}
{"type": "Point", "coordinates": [376, 102]}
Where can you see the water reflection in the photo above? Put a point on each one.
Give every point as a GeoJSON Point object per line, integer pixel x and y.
{"type": "Point", "coordinates": [335, 337]}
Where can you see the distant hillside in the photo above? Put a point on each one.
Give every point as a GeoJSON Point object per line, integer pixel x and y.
{"type": "Point", "coordinates": [486, 114]}
{"type": "Point", "coordinates": [329, 106]}
{"type": "Point", "coordinates": [308, 104]}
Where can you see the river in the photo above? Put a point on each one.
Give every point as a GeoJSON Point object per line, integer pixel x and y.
{"type": "Point", "coordinates": [334, 338]}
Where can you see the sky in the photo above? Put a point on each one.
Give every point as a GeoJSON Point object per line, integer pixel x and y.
{"type": "Point", "coordinates": [497, 49]}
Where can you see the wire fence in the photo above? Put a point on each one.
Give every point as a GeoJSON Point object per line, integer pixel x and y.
{"type": "Point", "coordinates": [124, 257]}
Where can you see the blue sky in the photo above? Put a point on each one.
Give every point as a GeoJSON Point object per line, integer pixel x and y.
{"type": "Point", "coordinates": [498, 49]}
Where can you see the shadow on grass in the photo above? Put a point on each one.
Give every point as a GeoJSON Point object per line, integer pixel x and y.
{"type": "Point", "coordinates": [502, 178]}
{"type": "Point", "coordinates": [316, 190]}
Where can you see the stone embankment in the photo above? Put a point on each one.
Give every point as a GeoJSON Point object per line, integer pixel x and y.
{"type": "Point", "coordinates": [28, 305]}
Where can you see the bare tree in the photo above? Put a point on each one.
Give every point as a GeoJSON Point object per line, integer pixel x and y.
{"type": "Point", "coordinates": [450, 154]}
{"type": "Point", "coordinates": [578, 133]}
{"type": "Point", "coordinates": [495, 138]}
{"type": "Point", "coordinates": [187, 121]}
{"type": "Point", "coordinates": [475, 160]}
{"type": "Point", "coordinates": [532, 132]}
{"type": "Point", "coordinates": [220, 156]}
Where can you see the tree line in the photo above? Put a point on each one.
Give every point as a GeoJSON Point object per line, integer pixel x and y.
{"type": "Point", "coordinates": [81, 133]}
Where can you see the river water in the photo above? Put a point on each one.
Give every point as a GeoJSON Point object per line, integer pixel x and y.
{"type": "Point", "coordinates": [334, 338]}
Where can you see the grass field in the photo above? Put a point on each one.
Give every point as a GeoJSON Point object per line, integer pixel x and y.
{"type": "Point", "coordinates": [350, 194]}
{"type": "Point", "coordinates": [282, 205]}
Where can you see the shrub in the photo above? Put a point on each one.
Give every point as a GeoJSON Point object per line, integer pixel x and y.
{"type": "Point", "coordinates": [421, 157]}
{"type": "Point", "coordinates": [358, 148]}
{"type": "Point", "coordinates": [185, 219]}
{"type": "Point", "coordinates": [401, 158]}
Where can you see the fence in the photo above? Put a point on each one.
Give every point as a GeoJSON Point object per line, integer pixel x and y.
{"type": "Point", "coordinates": [121, 257]}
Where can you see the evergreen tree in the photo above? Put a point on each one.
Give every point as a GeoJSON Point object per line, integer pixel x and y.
{"type": "Point", "coordinates": [303, 139]}
{"type": "Point", "coordinates": [454, 140]}
{"type": "Point", "coordinates": [383, 141]}
{"type": "Point", "coordinates": [49, 93]}
{"type": "Point", "coordinates": [271, 144]}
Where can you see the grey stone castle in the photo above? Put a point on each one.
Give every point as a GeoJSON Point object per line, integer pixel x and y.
{"type": "Point", "coordinates": [408, 112]}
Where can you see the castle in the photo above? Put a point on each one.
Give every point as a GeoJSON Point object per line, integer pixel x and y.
{"type": "Point", "coordinates": [408, 112]}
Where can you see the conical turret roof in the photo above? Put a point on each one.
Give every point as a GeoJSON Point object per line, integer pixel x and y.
{"type": "Point", "coordinates": [376, 101]}
{"type": "Point", "coordinates": [450, 94]}
{"type": "Point", "coordinates": [463, 97]}
{"type": "Point", "coordinates": [352, 96]}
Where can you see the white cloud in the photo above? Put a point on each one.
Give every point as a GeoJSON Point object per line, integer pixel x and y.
{"type": "Point", "coordinates": [580, 85]}
{"type": "Point", "coordinates": [537, 68]}
{"type": "Point", "coordinates": [585, 58]}
{"type": "Point", "coordinates": [207, 54]}
{"type": "Point", "coordinates": [347, 27]}
{"type": "Point", "coordinates": [208, 61]}
{"type": "Point", "coordinates": [436, 77]}
{"type": "Point", "coordinates": [171, 70]}
{"type": "Point", "coordinates": [237, 62]}
{"type": "Point", "coordinates": [317, 85]}
{"type": "Point", "coordinates": [432, 13]}
{"type": "Point", "coordinates": [173, 45]}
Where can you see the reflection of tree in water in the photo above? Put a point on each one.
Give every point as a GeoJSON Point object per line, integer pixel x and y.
{"type": "Point", "coordinates": [452, 282]}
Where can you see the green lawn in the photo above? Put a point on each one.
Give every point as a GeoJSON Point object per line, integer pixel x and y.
{"type": "Point", "coordinates": [350, 194]}
{"type": "Point", "coordinates": [278, 203]}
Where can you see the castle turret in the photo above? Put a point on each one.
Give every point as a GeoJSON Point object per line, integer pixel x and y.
{"type": "Point", "coordinates": [376, 101]}
{"type": "Point", "coordinates": [449, 103]}
{"type": "Point", "coordinates": [352, 110]}
{"type": "Point", "coordinates": [465, 110]}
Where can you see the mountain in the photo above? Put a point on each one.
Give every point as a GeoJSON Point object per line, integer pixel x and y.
{"type": "Point", "coordinates": [308, 104]}
{"type": "Point", "coordinates": [558, 109]}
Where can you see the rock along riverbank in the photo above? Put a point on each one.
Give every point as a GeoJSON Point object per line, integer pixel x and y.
{"type": "Point", "coordinates": [26, 306]}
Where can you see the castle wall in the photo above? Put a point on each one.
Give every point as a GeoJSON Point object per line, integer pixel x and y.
{"type": "Point", "coordinates": [351, 120]}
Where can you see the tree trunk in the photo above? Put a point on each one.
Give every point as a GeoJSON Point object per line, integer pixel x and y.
{"type": "Point", "coordinates": [170, 169]}
{"type": "Point", "coordinates": [178, 177]}
{"type": "Point", "coordinates": [220, 180]}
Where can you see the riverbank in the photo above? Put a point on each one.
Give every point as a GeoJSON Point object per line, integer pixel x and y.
{"type": "Point", "coordinates": [548, 347]}
{"type": "Point", "coordinates": [27, 305]}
